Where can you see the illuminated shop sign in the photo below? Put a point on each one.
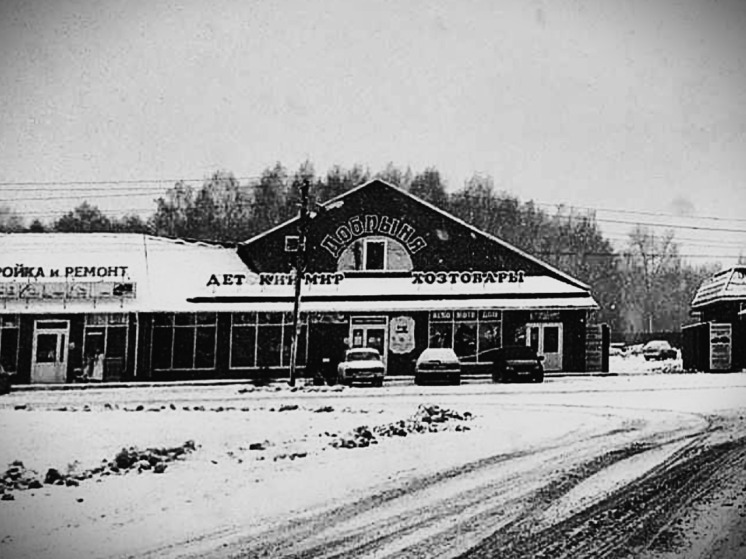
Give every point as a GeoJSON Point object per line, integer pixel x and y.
{"type": "Point", "coordinates": [372, 224]}
{"type": "Point", "coordinates": [68, 290]}
{"type": "Point", "coordinates": [469, 277]}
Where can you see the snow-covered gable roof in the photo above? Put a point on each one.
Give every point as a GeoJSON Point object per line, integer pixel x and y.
{"type": "Point", "coordinates": [291, 226]}
{"type": "Point", "coordinates": [106, 272]}
{"type": "Point", "coordinates": [728, 285]}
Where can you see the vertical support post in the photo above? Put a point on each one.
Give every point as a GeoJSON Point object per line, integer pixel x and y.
{"type": "Point", "coordinates": [300, 264]}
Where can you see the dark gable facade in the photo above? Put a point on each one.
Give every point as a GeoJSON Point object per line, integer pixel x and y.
{"type": "Point", "coordinates": [408, 276]}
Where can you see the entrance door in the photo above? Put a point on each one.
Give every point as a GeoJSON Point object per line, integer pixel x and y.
{"type": "Point", "coordinates": [49, 358]}
{"type": "Point", "coordinates": [546, 339]}
{"type": "Point", "coordinates": [370, 332]}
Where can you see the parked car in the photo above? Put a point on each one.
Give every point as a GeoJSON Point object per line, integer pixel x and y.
{"type": "Point", "coordinates": [515, 363]}
{"type": "Point", "coordinates": [659, 350]}
{"type": "Point", "coordinates": [437, 364]}
{"type": "Point", "coordinates": [361, 364]}
{"type": "Point", "coordinates": [618, 348]}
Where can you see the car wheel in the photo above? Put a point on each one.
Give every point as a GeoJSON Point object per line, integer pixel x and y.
{"type": "Point", "coordinates": [456, 380]}
{"type": "Point", "coordinates": [417, 380]}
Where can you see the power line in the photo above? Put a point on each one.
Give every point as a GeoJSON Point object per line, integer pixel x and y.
{"type": "Point", "coordinates": [115, 182]}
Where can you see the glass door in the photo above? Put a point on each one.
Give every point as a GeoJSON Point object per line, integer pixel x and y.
{"type": "Point", "coordinates": [49, 357]}
{"type": "Point", "coordinates": [546, 339]}
{"type": "Point", "coordinates": [370, 332]}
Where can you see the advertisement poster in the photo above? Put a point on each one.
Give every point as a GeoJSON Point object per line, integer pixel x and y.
{"type": "Point", "coordinates": [402, 334]}
{"type": "Point", "coordinates": [720, 347]}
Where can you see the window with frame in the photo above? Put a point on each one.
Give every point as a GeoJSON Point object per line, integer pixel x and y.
{"type": "Point", "coordinates": [264, 339]}
{"type": "Point", "coordinates": [375, 254]}
{"type": "Point", "coordinates": [9, 338]}
{"type": "Point", "coordinates": [184, 340]}
{"type": "Point", "coordinates": [107, 335]}
{"type": "Point", "coordinates": [471, 334]}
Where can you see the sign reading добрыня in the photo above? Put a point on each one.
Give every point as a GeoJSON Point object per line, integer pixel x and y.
{"type": "Point", "coordinates": [372, 224]}
{"type": "Point", "coordinates": [335, 278]}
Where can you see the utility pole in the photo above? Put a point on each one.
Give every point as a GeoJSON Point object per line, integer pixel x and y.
{"type": "Point", "coordinates": [300, 264]}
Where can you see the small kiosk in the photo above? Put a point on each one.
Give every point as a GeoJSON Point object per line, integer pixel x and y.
{"type": "Point", "coordinates": [717, 342]}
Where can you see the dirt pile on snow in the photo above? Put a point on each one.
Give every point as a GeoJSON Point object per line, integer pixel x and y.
{"type": "Point", "coordinates": [18, 478]}
{"type": "Point", "coordinates": [427, 419]}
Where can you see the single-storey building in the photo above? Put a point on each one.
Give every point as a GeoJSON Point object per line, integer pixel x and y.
{"type": "Point", "coordinates": [717, 341]}
{"type": "Point", "coordinates": [382, 268]}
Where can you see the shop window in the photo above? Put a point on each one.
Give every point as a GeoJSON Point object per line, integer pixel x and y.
{"type": "Point", "coordinates": [9, 326]}
{"type": "Point", "coordinates": [184, 341]}
{"type": "Point", "coordinates": [106, 335]}
{"type": "Point", "coordinates": [183, 348]}
{"type": "Point", "coordinates": [243, 346]}
{"type": "Point", "coordinates": [265, 339]}
{"type": "Point", "coordinates": [269, 341]}
{"type": "Point", "coordinates": [441, 334]}
{"type": "Point", "coordinates": [471, 334]}
{"type": "Point", "coordinates": [465, 341]}
{"type": "Point", "coordinates": [162, 347]}
{"type": "Point", "coordinates": [489, 338]}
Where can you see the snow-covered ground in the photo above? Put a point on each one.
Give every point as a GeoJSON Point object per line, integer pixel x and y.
{"type": "Point", "coordinates": [265, 455]}
{"type": "Point", "coordinates": [635, 364]}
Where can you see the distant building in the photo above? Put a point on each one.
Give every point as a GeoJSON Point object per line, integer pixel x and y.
{"type": "Point", "coordinates": [717, 341]}
{"type": "Point", "coordinates": [384, 269]}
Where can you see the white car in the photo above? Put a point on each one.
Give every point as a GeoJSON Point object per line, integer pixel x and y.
{"type": "Point", "coordinates": [361, 364]}
{"type": "Point", "coordinates": [437, 364]}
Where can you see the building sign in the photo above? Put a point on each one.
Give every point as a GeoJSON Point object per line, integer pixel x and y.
{"type": "Point", "coordinates": [321, 278]}
{"type": "Point", "coordinates": [36, 272]}
{"type": "Point", "coordinates": [372, 224]}
{"type": "Point", "coordinates": [544, 316]}
{"type": "Point", "coordinates": [594, 349]}
{"type": "Point", "coordinates": [401, 334]}
{"type": "Point", "coordinates": [490, 315]}
{"type": "Point", "coordinates": [68, 290]}
{"type": "Point", "coordinates": [500, 276]}
{"type": "Point", "coordinates": [720, 346]}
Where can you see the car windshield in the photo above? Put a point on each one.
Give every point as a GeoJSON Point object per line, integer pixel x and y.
{"type": "Point", "coordinates": [657, 345]}
{"type": "Point", "coordinates": [519, 352]}
{"type": "Point", "coordinates": [366, 355]}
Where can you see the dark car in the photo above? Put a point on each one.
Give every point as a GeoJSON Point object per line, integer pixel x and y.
{"type": "Point", "coordinates": [516, 363]}
{"type": "Point", "coordinates": [659, 350]}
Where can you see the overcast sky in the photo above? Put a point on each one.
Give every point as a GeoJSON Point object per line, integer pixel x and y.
{"type": "Point", "coordinates": [635, 105]}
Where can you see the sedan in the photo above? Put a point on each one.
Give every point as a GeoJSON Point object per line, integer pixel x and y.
{"type": "Point", "coordinates": [361, 364]}
{"type": "Point", "coordinates": [514, 363]}
{"type": "Point", "coordinates": [659, 350]}
{"type": "Point", "coordinates": [437, 364]}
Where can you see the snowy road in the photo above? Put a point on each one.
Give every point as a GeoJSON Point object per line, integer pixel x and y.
{"type": "Point", "coordinates": [574, 467]}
